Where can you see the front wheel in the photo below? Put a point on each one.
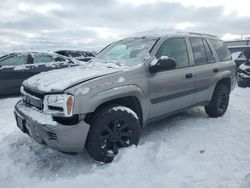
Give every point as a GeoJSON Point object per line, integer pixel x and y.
{"type": "Point", "coordinates": [219, 103]}
{"type": "Point", "coordinates": [112, 128]}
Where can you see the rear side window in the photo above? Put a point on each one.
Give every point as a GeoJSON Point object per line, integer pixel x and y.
{"type": "Point", "coordinates": [209, 53]}
{"type": "Point", "coordinates": [43, 58]}
{"type": "Point", "coordinates": [13, 61]}
{"type": "Point", "coordinates": [175, 48]}
{"type": "Point", "coordinates": [199, 52]}
{"type": "Point", "coordinates": [221, 49]}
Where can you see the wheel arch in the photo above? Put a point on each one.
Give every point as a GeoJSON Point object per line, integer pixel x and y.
{"type": "Point", "coordinates": [131, 102]}
{"type": "Point", "coordinates": [226, 81]}
{"type": "Point", "coordinates": [132, 98]}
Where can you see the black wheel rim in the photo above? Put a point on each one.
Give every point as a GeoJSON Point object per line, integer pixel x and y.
{"type": "Point", "coordinates": [114, 135]}
{"type": "Point", "coordinates": [222, 101]}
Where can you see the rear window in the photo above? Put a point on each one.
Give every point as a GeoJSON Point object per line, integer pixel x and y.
{"type": "Point", "coordinates": [221, 49]}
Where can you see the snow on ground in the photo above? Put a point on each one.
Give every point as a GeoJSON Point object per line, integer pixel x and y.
{"type": "Point", "coordinates": [185, 151]}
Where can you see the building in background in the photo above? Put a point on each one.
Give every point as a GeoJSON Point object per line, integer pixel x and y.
{"type": "Point", "coordinates": [238, 45]}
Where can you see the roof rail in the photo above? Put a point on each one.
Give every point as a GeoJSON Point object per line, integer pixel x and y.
{"type": "Point", "coordinates": [194, 33]}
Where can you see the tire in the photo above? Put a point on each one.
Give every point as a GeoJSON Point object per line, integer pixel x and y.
{"type": "Point", "coordinates": [241, 84]}
{"type": "Point", "coordinates": [219, 103]}
{"type": "Point", "coordinates": [112, 128]}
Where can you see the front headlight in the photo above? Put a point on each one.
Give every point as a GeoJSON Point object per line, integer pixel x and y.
{"type": "Point", "coordinates": [61, 104]}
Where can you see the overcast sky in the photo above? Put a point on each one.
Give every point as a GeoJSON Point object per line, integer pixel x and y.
{"type": "Point", "coordinates": [90, 24]}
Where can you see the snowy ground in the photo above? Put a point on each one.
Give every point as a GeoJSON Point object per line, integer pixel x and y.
{"type": "Point", "coordinates": [185, 151]}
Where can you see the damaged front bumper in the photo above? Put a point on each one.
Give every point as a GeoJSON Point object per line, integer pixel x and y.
{"type": "Point", "coordinates": [44, 130]}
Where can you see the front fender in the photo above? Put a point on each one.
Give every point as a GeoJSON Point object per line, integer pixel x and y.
{"type": "Point", "coordinates": [92, 102]}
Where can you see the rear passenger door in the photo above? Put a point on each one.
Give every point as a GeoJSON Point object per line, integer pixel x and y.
{"type": "Point", "coordinates": [205, 67]}
{"type": "Point", "coordinates": [172, 90]}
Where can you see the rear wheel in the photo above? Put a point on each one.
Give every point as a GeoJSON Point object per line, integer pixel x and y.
{"type": "Point", "coordinates": [112, 128]}
{"type": "Point", "coordinates": [219, 103]}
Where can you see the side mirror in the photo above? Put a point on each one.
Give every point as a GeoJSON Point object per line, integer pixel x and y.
{"type": "Point", "coordinates": [247, 54]}
{"type": "Point", "coordinates": [164, 63]}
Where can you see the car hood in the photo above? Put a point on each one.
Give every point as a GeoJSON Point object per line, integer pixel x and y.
{"type": "Point", "coordinates": [59, 80]}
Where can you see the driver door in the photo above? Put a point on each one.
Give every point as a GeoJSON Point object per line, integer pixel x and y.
{"type": "Point", "coordinates": [174, 89]}
{"type": "Point", "coordinates": [13, 71]}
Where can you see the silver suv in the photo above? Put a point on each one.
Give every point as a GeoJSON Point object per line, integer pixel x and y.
{"type": "Point", "coordinates": [103, 105]}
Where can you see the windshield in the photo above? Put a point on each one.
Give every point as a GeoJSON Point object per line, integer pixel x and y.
{"type": "Point", "coordinates": [127, 51]}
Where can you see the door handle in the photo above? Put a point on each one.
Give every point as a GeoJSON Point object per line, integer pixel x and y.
{"type": "Point", "coordinates": [189, 75]}
{"type": "Point", "coordinates": [215, 70]}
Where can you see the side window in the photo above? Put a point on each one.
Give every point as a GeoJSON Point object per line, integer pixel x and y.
{"type": "Point", "coordinates": [87, 54]}
{"type": "Point", "coordinates": [40, 58]}
{"type": "Point", "coordinates": [175, 48]}
{"type": "Point", "coordinates": [59, 59]}
{"type": "Point", "coordinates": [14, 61]}
{"type": "Point", "coordinates": [75, 54]}
{"type": "Point", "coordinates": [79, 54]}
{"type": "Point", "coordinates": [62, 53]}
{"type": "Point", "coordinates": [221, 49]}
{"type": "Point", "coordinates": [199, 52]}
{"type": "Point", "coordinates": [66, 53]}
{"type": "Point", "coordinates": [209, 53]}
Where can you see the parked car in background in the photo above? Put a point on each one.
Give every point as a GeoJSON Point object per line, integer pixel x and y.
{"type": "Point", "coordinates": [243, 77]}
{"type": "Point", "coordinates": [235, 55]}
{"type": "Point", "coordinates": [240, 59]}
{"type": "Point", "coordinates": [103, 105]}
{"type": "Point", "coordinates": [79, 55]}
{"type": "Point", "coordinates": [17, 67]}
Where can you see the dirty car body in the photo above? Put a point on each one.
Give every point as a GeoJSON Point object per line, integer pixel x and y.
{"type": "Point", "coordinates": [57, 106]}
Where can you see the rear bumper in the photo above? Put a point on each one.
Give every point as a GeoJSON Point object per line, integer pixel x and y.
{"type": "Point", "coordinates": [42, 128]}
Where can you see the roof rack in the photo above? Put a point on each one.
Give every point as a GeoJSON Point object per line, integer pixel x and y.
{"type": "Point", "coordinates": [194, 33]}
{"type": "Point", "coordinates": [204, 34]}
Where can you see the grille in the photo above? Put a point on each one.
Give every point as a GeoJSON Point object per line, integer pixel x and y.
{"type": "Point", "coordinates": [32, 99]}
{"type": "Point", "coordinates": [247, 70]}
{"type": "Point", "coordinates": [244, 72]}
{"type": "Point", "coordinates": [52, 136]}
